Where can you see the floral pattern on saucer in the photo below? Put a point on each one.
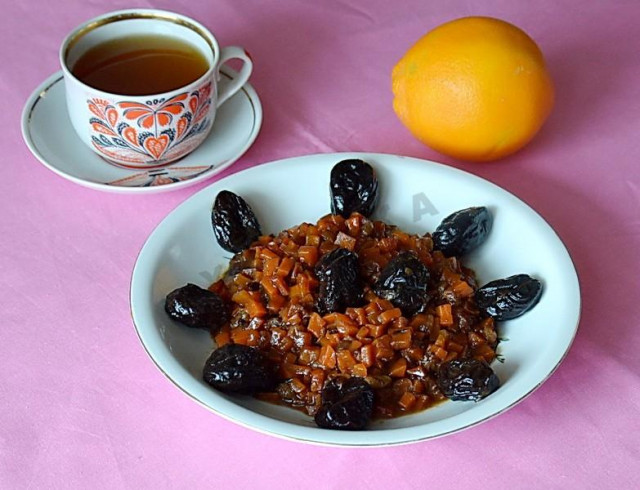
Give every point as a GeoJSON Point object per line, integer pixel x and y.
{"type": "Point", "coordinates": [161, 176]}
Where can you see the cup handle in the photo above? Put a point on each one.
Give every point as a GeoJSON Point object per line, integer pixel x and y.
{"type": "Point", "coordinates": [227, 53]}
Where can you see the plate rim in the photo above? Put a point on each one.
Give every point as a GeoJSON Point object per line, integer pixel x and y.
{"type": "Point", "coordinates": [286, 436]}
{"type": "Point", "coordinates": [46, 85]}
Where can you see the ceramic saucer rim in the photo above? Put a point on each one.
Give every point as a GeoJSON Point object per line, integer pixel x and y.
{"type": "Point", "coordinates": [43, 88]}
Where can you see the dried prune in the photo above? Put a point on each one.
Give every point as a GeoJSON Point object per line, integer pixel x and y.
{"type": "Point", "coordinates": [404, 281]}
{"type": "Point", "coordinates": [236, 368]}
{"type": "Point", "coordinates": [346, 405]}
{"type": "Point", "coordinates": [509, 298]}
{"type": "Point", "coordinates": [467, 379]}
{"type": "Point", "coordinates": [340, 285]}
{"type": "Point", "coordinates": [234, 224]}
{"type": "Point", "coordinates": [462, 231]}
{"type": "Point", "coordinates": [196, 307]}
{"type": "Point", "coordinates": [354, 188]}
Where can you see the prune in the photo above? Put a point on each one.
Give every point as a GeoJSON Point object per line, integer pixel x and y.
{"type": "Point", "coordinates": [234, 224]}
{"type": "Point", "coordinates": [404, 281]}
{"type": "Point", "coordinates": [462, 231]}
{"type": "Point", "coordinates": [509, 298]}
{"type": "Point", "coordinates": [466, 379]}
{"type": "Point", "coordinates": [196, 307]}
{"type": "Point", "coordinates": [236, 368]}
{"type": "Point", "coordinates": [354, 188]}
{"type": "Point", "coordinates": [340, 285]}
{"type": "Point", "coordinates": [346, 405]}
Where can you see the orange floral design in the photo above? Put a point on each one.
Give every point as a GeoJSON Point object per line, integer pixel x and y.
{"type": "Point", "coordinates": [152, 132]}
{"type": "Point", "coordinates": [149, 115]}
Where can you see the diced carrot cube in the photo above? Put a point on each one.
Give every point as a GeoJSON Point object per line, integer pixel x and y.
{"type": "Point", "coordinates": [308, 254]}
{"type": "Point", "coordinates": [450, 276]}
{"type": "Point", "coordinates": [413, 353]}
{"type": "Point", "coordinates": [403, 238]}
{"type": "Point", "coordinates": [268, 286]}
{"type": "Point", "coordinates": [286, 265]}
{"type": "Point", "coordinates": [222, 338]}
{"type": "Point", "coordinates": [241, 281]}
{"type": "Point", "coordinates": [377, 330]}
{"type": "Point", "coordinates": [327, 357]}
{"type": "Point", "coordinates": [266, 254]}
{"type": "Point", "coordinates": [295, 292]}
{"type": "Point", "coordinates": [304, 339]}
{"type": "Point", "coordinates": [337, 219]}
{"type": "Point", "coordinates": [401, 340]}
{"type": "Point", "coordinates": [372, 308]}
{"type": "Point", "coordinates": [355, 345]}
{"type": "Point", "coordinates": [485, 352]}
{"type": "Point", "coordinates": [462, 289]}
{"type": "Point", "coordinates": [270, 266]}
{"type": "Point", "coordinates": [383, 304]}
{"type": "Point", "coordinates": [253, 305]}
{"type": "Point", "coordinates": [441, 341]}
{"type": "Point", "coordinates": [276, 302]}
{"type": "Point", "coordinates": [345, 241]}
{"type": "Point", "coordinates": [445, 314]}
{"type": "Point", "coordinates": [345, 361]}
{"type": "Point", "coordinates": [281, 285]}
{"type": "Point", "coordinates": [367, 355]}
{"type": "Point", "coordinates": [316, 325]}
{"type": "Point", "coordinates": [475, 340]}
{"type": "Point", "coordinates": [398, 368]}
{"type": "Point", "coordinates": [342, 322]}
{"type": "Point", "coordinates": [383, 348]}
{"type": "Point", "coordinates": [317, 379]}
{"type": "Point", "coordinates": [389, 315]}
{"type": "Point", "coordinates": [297, 269]}
{"type": "Point", "coordinates": [240, 336]}
{"type": "Point", "coordinates": [333, 338]}
{"type": "Point", "coordinates": [306, 282]}
{"type": "Point", "coordinates": [359, 370]}
{"type": "Point", "coordinates": [407, 400]}
{"type": "Point", "coordinates": [313, 240]}
{"type": "Point", "coordinates": [422, 401]}
{"type": "Point", "coordinates": [308, 355]}
{"type": "Point", "coordinates": [440, 353]}
{"type": "Point", "coordinates": [361, 318]}
{"type": "Point", "coordinates": [354, 223]}
{"type": "Point", "coordinates": [256, 309]}
{"type": "Point", "coordinates": [362, 333]}
{"type": "Point", "coordinates": [286, 345]}
{"type": "Point", "coordinates": [387, 244]}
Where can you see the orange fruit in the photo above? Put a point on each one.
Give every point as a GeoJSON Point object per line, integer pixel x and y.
{"type": "Point", "coordinates": [475, 88]}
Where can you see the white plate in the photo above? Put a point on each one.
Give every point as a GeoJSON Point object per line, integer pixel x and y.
{"type": "Point", "coordinates": [47, 131]}
{"type": "Point", "coordinates": [416, 195]}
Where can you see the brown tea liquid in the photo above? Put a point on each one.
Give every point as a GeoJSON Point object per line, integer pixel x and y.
{"type": "Point", "coordinates": [140, 65]}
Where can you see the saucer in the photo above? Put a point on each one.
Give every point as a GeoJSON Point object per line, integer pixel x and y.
{"type": "Point", "coordinates": [53, 141]}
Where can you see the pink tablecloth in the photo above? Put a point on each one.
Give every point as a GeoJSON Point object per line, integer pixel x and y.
{"type": "Point", "coordinates": [81, 405]}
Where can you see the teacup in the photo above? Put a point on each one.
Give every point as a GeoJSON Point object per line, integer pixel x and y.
{"type": "Point", "coordinates": [151, 130]}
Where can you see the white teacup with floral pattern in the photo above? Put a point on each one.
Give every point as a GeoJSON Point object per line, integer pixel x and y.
{"type": "Point", "coordinates": [147, 131]}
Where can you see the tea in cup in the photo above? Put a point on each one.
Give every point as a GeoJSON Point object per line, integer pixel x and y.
{"type": "Point", "coordinates": [142, 85]}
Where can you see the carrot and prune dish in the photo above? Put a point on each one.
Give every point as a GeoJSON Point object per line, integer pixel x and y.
{"type": "Point", "coordinates": [351, 319]}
